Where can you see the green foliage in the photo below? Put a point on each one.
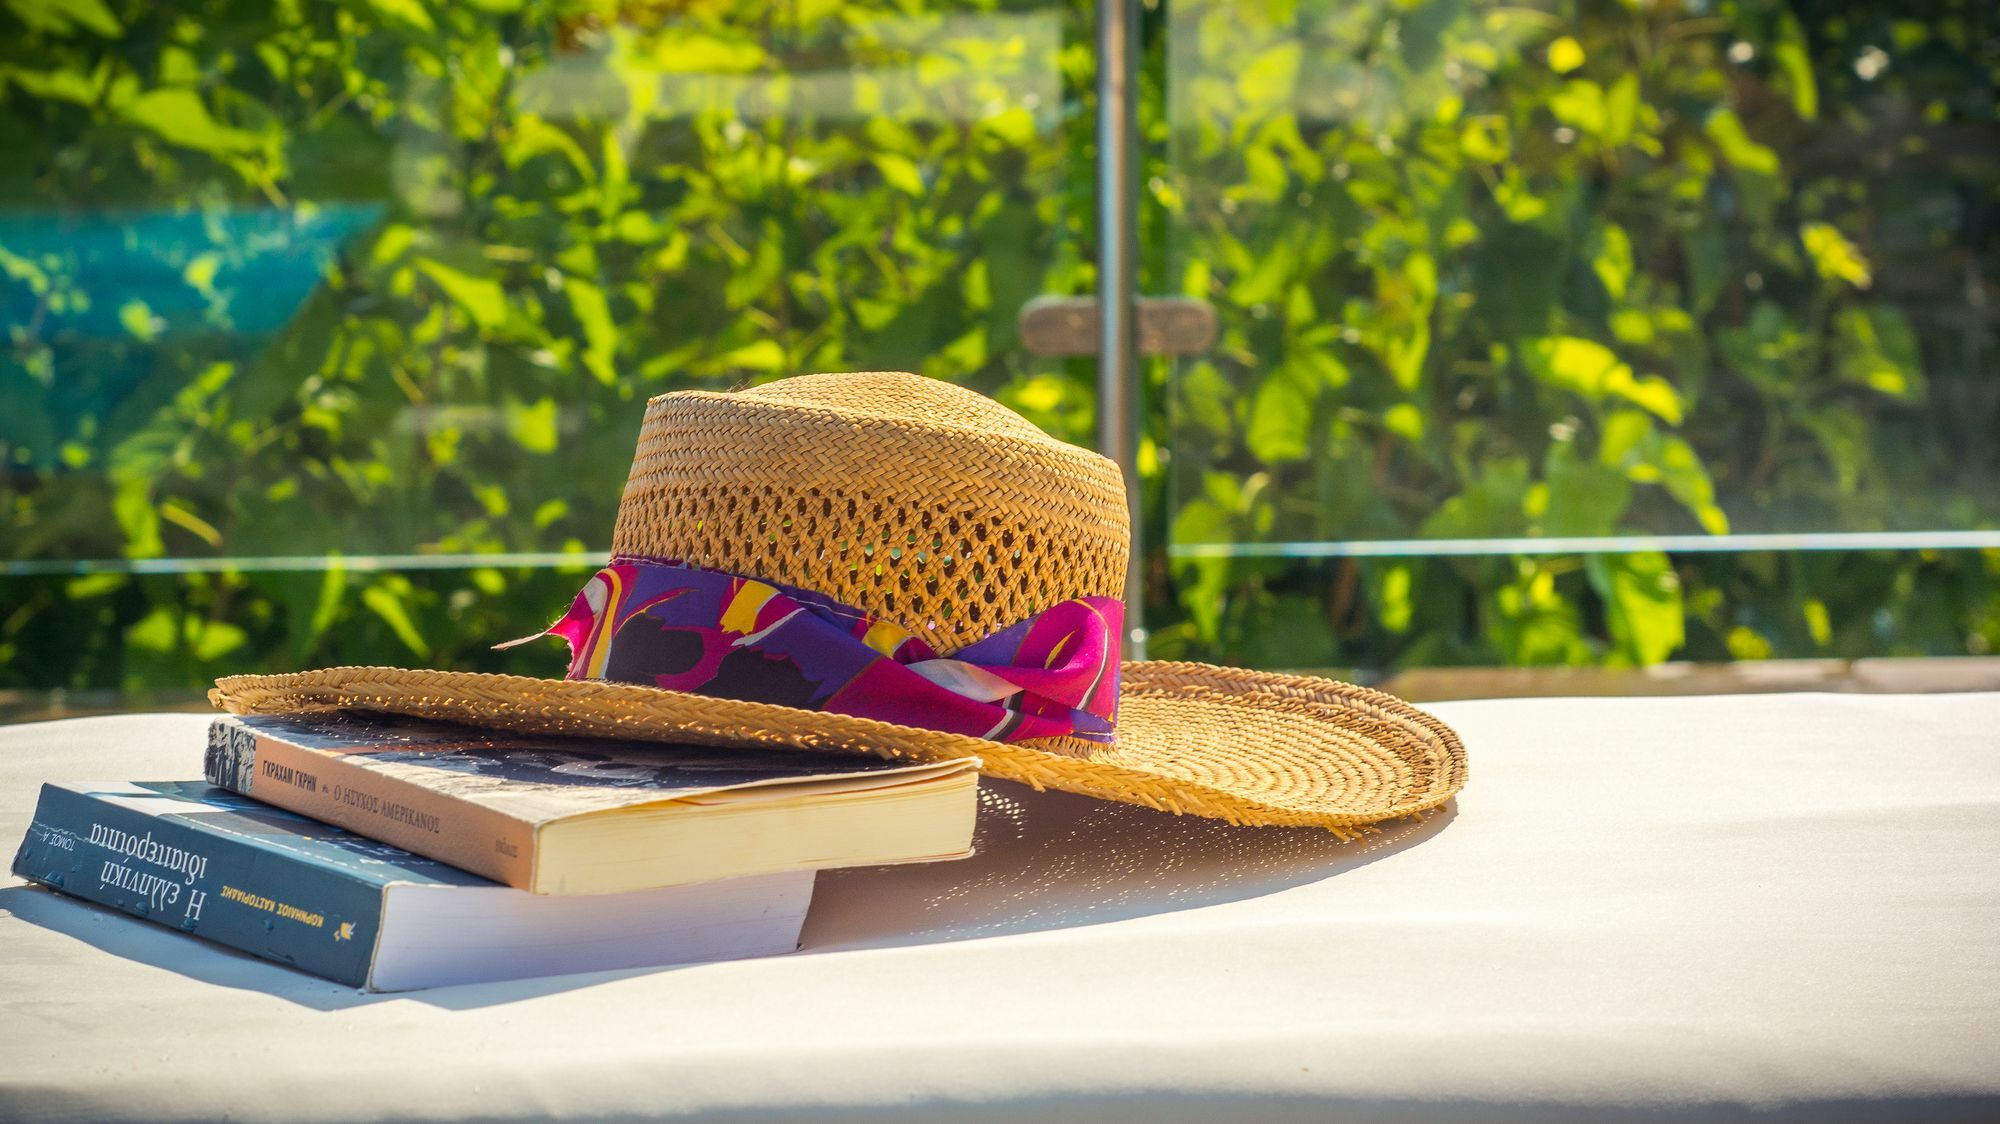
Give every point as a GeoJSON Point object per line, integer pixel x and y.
{"type": "Point", "coordinates": [315, 278]}
{"type": "Point", "coordinates": [1494, 271]}
{"type": "Point", "coordinates": [502, 227]}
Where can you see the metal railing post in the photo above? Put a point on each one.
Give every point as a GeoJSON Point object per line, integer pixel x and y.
{"type": "Point", "coordinates": [1117, 271]}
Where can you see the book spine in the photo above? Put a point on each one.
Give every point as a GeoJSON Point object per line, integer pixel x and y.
{"type": "Point", "coordinates": [332, 788]}
{"type": "Point", "coordinates": [223, 888]}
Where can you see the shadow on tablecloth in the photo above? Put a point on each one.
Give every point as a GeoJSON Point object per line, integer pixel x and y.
{"type": "Point", "coordinates": [1046, 860]}
{"type": "Point", "coordinates": [1053, 860]}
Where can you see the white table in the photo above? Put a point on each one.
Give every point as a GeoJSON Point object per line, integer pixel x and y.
{"type": "Point", "coordinates": [1715, 907]}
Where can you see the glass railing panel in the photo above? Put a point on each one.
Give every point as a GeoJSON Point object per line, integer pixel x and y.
{"type": "Point", "coordinates": [330, 326]}
{"type": "Point", "coordinates": [1491, 271]}
{"type": "Point", "coordinates": [1577, 280]}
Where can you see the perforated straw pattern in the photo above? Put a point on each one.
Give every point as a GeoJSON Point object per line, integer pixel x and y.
{"type": "Point", "coordinates": [1243, 746]}
{"type": "Point", "coordinates": [931, 506]}
{"type": "Point", "coordinates": [915, 500]}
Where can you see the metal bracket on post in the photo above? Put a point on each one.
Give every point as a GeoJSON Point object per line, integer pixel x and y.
{"type": "Point", "coordinates": [1055, 326]}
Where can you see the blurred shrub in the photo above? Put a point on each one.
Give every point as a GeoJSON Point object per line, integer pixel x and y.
{"type": "Point", "coordinates": [290, 279]}
{"type": "Point", "coordinates": [1488, 271]}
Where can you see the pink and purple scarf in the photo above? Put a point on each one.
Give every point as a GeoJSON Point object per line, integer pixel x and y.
{"type": "Point", "coordinates": [668, 625]}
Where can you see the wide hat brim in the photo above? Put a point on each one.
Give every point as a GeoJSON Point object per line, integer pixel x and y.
{"type": "Point", "coordinates": [1248, 747]}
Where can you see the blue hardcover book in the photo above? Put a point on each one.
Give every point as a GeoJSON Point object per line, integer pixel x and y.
{"type": "Point", "coordinates": [278, 885]}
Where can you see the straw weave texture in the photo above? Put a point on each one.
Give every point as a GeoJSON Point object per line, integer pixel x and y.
{"type": "Point", "coordinates": [912, 499]}
{"type": "Point", "coordinates": [1244, 746]}
{"type": "Point", "coordinates": [931, 506]}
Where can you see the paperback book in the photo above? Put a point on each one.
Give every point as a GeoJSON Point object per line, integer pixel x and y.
{"type": "Point", "coordinates": [192, 857]}
{"type": "Point", "coordinates": [560, 815]}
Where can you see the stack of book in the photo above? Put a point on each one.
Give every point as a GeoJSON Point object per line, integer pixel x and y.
{"type": "Point", "coordinates": [390, 853]}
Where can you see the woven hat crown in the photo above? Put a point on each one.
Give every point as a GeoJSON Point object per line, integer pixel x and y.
{"type": "Point", "coordinates": [911, 499]}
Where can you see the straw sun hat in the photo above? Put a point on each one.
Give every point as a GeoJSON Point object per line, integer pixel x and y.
{"type": "Point", "coordinates": [888, 564]}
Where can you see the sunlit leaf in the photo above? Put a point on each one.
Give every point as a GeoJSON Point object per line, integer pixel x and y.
{"type": "Point", "coordinates": [900, 172]}
{"type": "Point", "coordinates": [1642, 604]}
{"type": "Point", "coordinates": [533, 427]}
{"type": "Point", "coordinates": [138, 318]}
{"type": "Point", "coordinates": [1726, 130]}
{"type": "Point", "coordinates": [168, 630]}
{"type": "Point", "coordinates": [194, 524]}
{"type": "Point", "coordinates": [64, 16]}
{"type": "Point", "coordinates": [387, 604]}
{"type": "Point", "coordinates": [1395, 606]}
{"type": "Point", "coordinates": [1485, 138]}
{"type": "Point", "coordinates": [1878, 349]}
{"type": "Point", "coordinates": [482, 298]}
{"type": "Point", "coordinates": [1791, 54]}
{"type": "Point", "coordinates": [411, 13]}
{"type": "Point", "coordinates": [1271, 75]}
{"type": "Point", "coordinates": [762, 355]}
{"type": "Point", "coordinates": [1580, 103]}
{"type": "Point", "coordinates": [1834, 256]}
{"type": "Point", "coordinates": [1591, 369]}
{"type": "Point", "coordinates": [1565, 55]}
{"type": "Point", "coordinates": [179, 117]}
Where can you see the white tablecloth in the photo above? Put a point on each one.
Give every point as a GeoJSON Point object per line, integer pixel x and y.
{"type": "Point", "coordinates": [1719, 907]}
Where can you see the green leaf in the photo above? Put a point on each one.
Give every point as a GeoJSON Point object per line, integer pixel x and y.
{"type": "Point", "coordinates": [900, 172]}
{"type": "Point", "coordinates": [1791, 56]}
{"type": "Point", "coordinates": [410, 13]}
{"type": "Point", "coordinates": [763, 356]}
{"type": "Point", "coordinates": [1621, 110]}
{"type": "Point", "coordinates": [1488, 507]}
{"type": "Point", "coordinates": [1280, 420]}
{"type": "Point", "coordinates": [1878, 349]}
{"type": "Point", "coordinates": [326, 609]}
{"type": "Point", "coordinates": [1834, 256]}
{"type": "Point", "coordinates": [213, 640]}
{"type": "Point", "coordinates": [1486, 139]}
{"type": "Point", "coordinates": [388, 605]}
{"type": "Point", "coordinates": [534, 428]}
{"type": "Point", "coordinates": [179, 117]}
{"type": "Point", "coordinates": [1581, 103]}
{"type": "Point", "coordinates": [1611, 259]}
{"type": "Point", "coordinates": [600, 336]}
{"type": "Point", "coordinates": [1565, 55]}
{"type": "Point", "coordinates": [1687, 479]}
{"type": "Point", "coordinates": [1584, 498]}
{"type": "Point", "coordinates": [480, 297]}
{"type": "Point", "coordinates": [1394, 605]}
{"type": "Point", "coordinates": [170, 630]}
{"type": "Point", "coordinates": [1642, 604]}
{"type": "Point", "coordinates": [1593, 370]}
{"type": "Point", "coordinates": [1404, 420]}
{"type": "Point", "coordinates": [53, 85]}
{"type": "Point", "coordinates": [138, 318]}
{"type": "Point", "coordinates": [690, 49]}
{"type": "Point", "coordinates": [200, 273]}
{"type": "Point", "coordinates": [64, 16]}
{"type": "Point", "coordinates": [1532, 623]}
{"type": "Point", "coordinates": [1271, 78]}
{"type": "Point", "coordinates": [1726, 130]}
{"type": "Point", "coordinates": [188, 521]}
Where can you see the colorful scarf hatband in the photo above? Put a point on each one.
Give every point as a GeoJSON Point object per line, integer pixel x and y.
{"type": "Point", "coordinates": [685, 629]}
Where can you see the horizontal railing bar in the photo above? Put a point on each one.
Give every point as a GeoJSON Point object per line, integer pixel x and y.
{"type": "Point", "coordinates": [1617, 544]}
{"type": "Point", "coordinates": [545, 560]}
{"type": "Point", "coordinates": [1385, 548]}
